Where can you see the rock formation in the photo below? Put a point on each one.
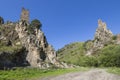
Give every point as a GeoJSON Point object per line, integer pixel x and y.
{"type": "Point", "coordinates": [24, 15]}
{"type": "Point", "coordinates": [102, 37]}
{"type": "Point", "coordinates": [103, 50]}
{"type": "Point", "coordinates": [24, 48]}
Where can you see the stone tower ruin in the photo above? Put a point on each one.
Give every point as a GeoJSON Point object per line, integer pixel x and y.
{"type": "Point", "coordinates": [24, 15]}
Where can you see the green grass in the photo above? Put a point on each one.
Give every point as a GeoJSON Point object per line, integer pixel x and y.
{"type": "Point", "coordinates": [108, 56]}
{"type": "Point", "coordinates": [33, 73]}
{"type": "Point", "coordinates": [70, 53]}
{"type": "Point", "coordinates": [114, 70]}
{"type": "Point", "coordinates": [11, 49]}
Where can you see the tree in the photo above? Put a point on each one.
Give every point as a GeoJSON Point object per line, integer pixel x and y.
{"type": "Point", "coordinates": [1, 20]}
{"type": "Point", "coordinates": [36, 23]}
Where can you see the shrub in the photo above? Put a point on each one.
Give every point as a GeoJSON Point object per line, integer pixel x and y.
{"type": "Point", "coordinates": [30, 30]}
{"type": "Point", "coordinates": [1, 20]}
{"type": "Point", "coordinates": [36, 23]}
{"type": "Point", "coordinates": [11, 49]}
{"type": "Point", "coordinates": [88, 61]}
{"type": "Point", "coordinates": [110, 56]}
{"type": "Point", "coordinates": [114, 37]}
{"type": "Point", "coordinates": [88, 44]}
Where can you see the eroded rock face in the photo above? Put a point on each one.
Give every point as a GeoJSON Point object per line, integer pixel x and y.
{"type": "Point", "coordinates": [24, 47]}
{"type": "Point", "coordinates": [102, 37]}
{"type": "Point", "coordinates": [40, 53]}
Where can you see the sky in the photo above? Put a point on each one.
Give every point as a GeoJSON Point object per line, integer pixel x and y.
{"type": "Point", "coordinates": [66, 21]}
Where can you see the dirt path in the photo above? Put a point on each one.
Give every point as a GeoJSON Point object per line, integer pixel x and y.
{"type": "Point", "coordinates": [94, 74]}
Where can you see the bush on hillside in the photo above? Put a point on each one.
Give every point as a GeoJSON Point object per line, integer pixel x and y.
{"type": "Point", "coordinates": [85, 61]}
{"type": "Point", "coordinates": [36, 23]}
{"type": "Point", "coordinates": [1, 20]}
{"type": "Point", "coordinates": [88, 44]}
{"type": "Point", "coordinates": [109, 56]}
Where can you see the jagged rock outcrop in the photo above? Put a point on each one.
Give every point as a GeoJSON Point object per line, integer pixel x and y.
{"type": "Point", "coordinates": [12, 53]}
{"type": "Point", "coordinates": [24, 48]}
{"type": "Point", "coordinates": [102, 37]}
{"type": "Point", "coordinates": [103, 50]}
{"type": "Point", "coordinates": [40, 53]}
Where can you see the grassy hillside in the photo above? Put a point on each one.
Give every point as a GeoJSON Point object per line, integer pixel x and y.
{"type": "Point", "coordinates": [71, 53]}
{"type": "Point", "coordinates": [108, 56]}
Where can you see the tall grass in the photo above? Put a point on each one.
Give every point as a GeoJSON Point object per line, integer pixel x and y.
{"type": "Point", "coordinates": [114, 70]}
{"type": "Point", "coordinates": [33, 73]}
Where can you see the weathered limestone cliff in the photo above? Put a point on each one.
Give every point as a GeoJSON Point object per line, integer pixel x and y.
{"type": "Point", "coordinates": [102, 37]}
{"type": "Point", "coordinates": [25, 48]}
{"type": "Point", "coordinates": [39, 51]}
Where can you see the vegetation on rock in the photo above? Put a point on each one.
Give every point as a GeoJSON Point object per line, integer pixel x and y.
{"type": "Point", "coordinates": [35, 24]}
{"type": "Point", "coordinates": [24, 44]}
{"type": "Point", "coordinates": [103, 51]}
{"type": "Point", "coordinates": [108, 56]}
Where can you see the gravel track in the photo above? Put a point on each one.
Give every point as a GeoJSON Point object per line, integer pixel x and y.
{"type": "Point", "coordinates": [93, 74]}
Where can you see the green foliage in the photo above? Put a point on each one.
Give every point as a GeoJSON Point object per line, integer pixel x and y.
{"type": "Point", "coordinates": [114, 37]}
{"type": "Point", "coordinates": [88, 61]}
{"type": "Point", "coordinates": [114, 70]}
{"type": "Point", "coordinates": [71, 53]}
{"type": "Point", "coordinates": [36, 23]}
{"type": "Point", "coordinates": [75, 54]}
{"type": "Point", "coordinates": [108, 56]}
{"type": "Point", "coordinates": [34, 73]}
{"type": "Point", "coordinates": [31, 29]}
{"type": "Point", "coordinates": [11, 49]}
{"type": "Point", "coordinates": [1, 20]}
{"type": "Point", "coordinates": [88, 44]}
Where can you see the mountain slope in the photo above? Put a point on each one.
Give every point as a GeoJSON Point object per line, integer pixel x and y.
{"type": "Point", "coordinates": [104, 50]}
{"type": "Point", "coordinates": [71, 52]}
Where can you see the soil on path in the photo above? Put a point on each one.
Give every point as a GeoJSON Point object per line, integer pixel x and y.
{"type": "Point", "coordinates": [94, 74]}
